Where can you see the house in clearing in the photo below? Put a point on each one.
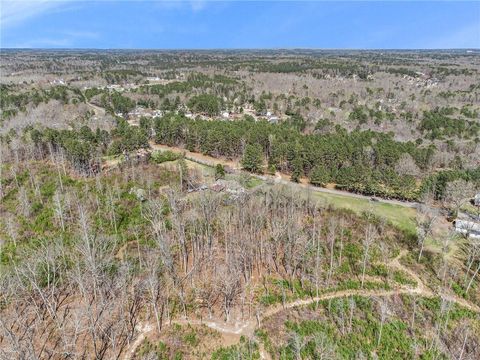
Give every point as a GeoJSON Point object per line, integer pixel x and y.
{"type": "Point", "coordinates": [476, 200]}
{"type": "Point", "coordinates": [273, 119]}
{"type": "Point", "coordinates": [469, 228]}
{"type": "Point", "coordinates": [157, 113]}
{"type": "Point", "coordinates": [115, 87]}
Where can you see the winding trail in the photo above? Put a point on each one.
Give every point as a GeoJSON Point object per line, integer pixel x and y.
{"type": "Point", "coordinates": [247, 328]}
{"type": "Point", "coordinates": [99, 111]}
{"type": "Point", "coordinates": [421, 288]}
{"type": "Point", "coordinates": [143, 330]}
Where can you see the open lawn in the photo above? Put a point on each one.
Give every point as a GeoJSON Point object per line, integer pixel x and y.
{"type": "Point", "coordinates": [400, 216]}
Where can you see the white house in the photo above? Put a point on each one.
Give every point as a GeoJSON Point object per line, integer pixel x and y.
{"type": "Point", "coordinates": [58, 82]}
{"type": "Point", "coordinates": [115, 87]}
{"type": "Point", "coordinates": [469, 228]}
{"type": "Point", "coordinates": [157, 113]}
{"type": "Point", "coordinates": [476, 200]}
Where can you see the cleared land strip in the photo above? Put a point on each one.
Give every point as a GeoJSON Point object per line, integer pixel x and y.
{"type": "Point", "coordinates": [235, 167]}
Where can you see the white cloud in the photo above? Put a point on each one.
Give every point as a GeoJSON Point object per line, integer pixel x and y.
{"type": "Point", "coordinates": [80, 34]}
{"type": "Point", "coordinates": [16, 12]}
{"type": "Point", "coordinates": [198, 5]}
{"type": "Point", "coordinates": [66, 39]}
{"type": "Point", "coordinates": [13, 12]}
{"type": "Point", "coordinates": [193, 5]}
{"type": "Point", "coordinates": [45, 43]}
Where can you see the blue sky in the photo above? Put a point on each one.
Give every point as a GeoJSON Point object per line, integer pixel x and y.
{"type": "Point", "coordinates": [239, 24]}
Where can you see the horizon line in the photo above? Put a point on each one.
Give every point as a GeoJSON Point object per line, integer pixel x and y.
{"type": "Point", "coordinates": [240, 48]}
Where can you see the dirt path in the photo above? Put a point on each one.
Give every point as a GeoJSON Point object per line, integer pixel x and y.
{"type": "Point", "coordinates": [285, 179]}
{"type": "Point", "coordinates": [197, 157]}
{"type": "Point", "coordinates": [143, 330]}
{"type": "Point", "coordinates": [247, 328]}
{"type": "Point", "coordinates": [99, 111]}
{"type": "Point", "coordinates": [424, 290]}
{"type": "Point", "coordinates": [421, 288]}
{"type": "Point", "coordinates": [264, 355]}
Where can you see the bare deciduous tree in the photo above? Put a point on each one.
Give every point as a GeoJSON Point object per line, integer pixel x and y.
{"type": "Point", "coordinates": [457, 193]}
{"type": "Point", "coordinates": [425, 219]}
{"type": "Point", "coordinates": [370, 236]}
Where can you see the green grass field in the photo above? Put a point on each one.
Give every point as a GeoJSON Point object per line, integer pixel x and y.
{"type": "Point", "coordinates": [400, 216]}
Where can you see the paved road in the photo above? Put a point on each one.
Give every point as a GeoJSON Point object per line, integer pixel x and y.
{"type": "Point", "coordinates": [310, 187]}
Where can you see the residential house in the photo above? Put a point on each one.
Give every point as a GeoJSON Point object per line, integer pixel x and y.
{"type": "Point", "coordinates": [476, 200]}
{"type": "Point", "coordinates": [469, 228]}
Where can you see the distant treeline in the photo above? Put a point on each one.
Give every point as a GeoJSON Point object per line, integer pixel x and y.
{"type": "Point", "coordinates": [366, 162]}
{"type": "Point", "coordinates": [12, 100]}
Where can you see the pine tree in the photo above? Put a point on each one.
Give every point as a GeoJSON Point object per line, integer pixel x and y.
{"type": "Point", "coordinates": [319, 175]}
{"type": "Point", "coordinates": [253, 158]}
{"type": "Point", "coordinates": [219, 172]}
{"type": "Point", "coordinates": [297, 168]}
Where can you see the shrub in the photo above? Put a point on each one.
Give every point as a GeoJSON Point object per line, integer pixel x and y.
{"type": "Point", "coordinates": [160, 157]}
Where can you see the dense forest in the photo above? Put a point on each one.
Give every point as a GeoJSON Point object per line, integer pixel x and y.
{"type": "Point", "coordinates": [361, 161]}
{"type": "Point", "coordinates": [364, 162]}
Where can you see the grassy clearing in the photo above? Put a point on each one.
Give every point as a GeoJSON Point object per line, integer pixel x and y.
{"type": "Point", "coordinates": [246, 180]}
{"type": "Point", "coordinates": [205, 169]}
{"type": "Point", "coordinates": [112, 160]}
{"type": "Point", "coordinates": [400, 216]}
{"type": "Point", "coordinates": [336, 330]}
{"type": "Point", "coordinates": [181, 342]}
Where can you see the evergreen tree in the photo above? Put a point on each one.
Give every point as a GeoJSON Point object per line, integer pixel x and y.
{"type": "Point", "coordinates": [184, 176]}
{"type": "Point", "coordinates": [297, 168]}
{"type": "Point", "coordinates": [219, 172]}
{"type": "Point", "coordinates": [319, 175]}
{"type": "Point", "coordinates": [253, 158]}
{"type": "Point", "coordinates": [206, 104]}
